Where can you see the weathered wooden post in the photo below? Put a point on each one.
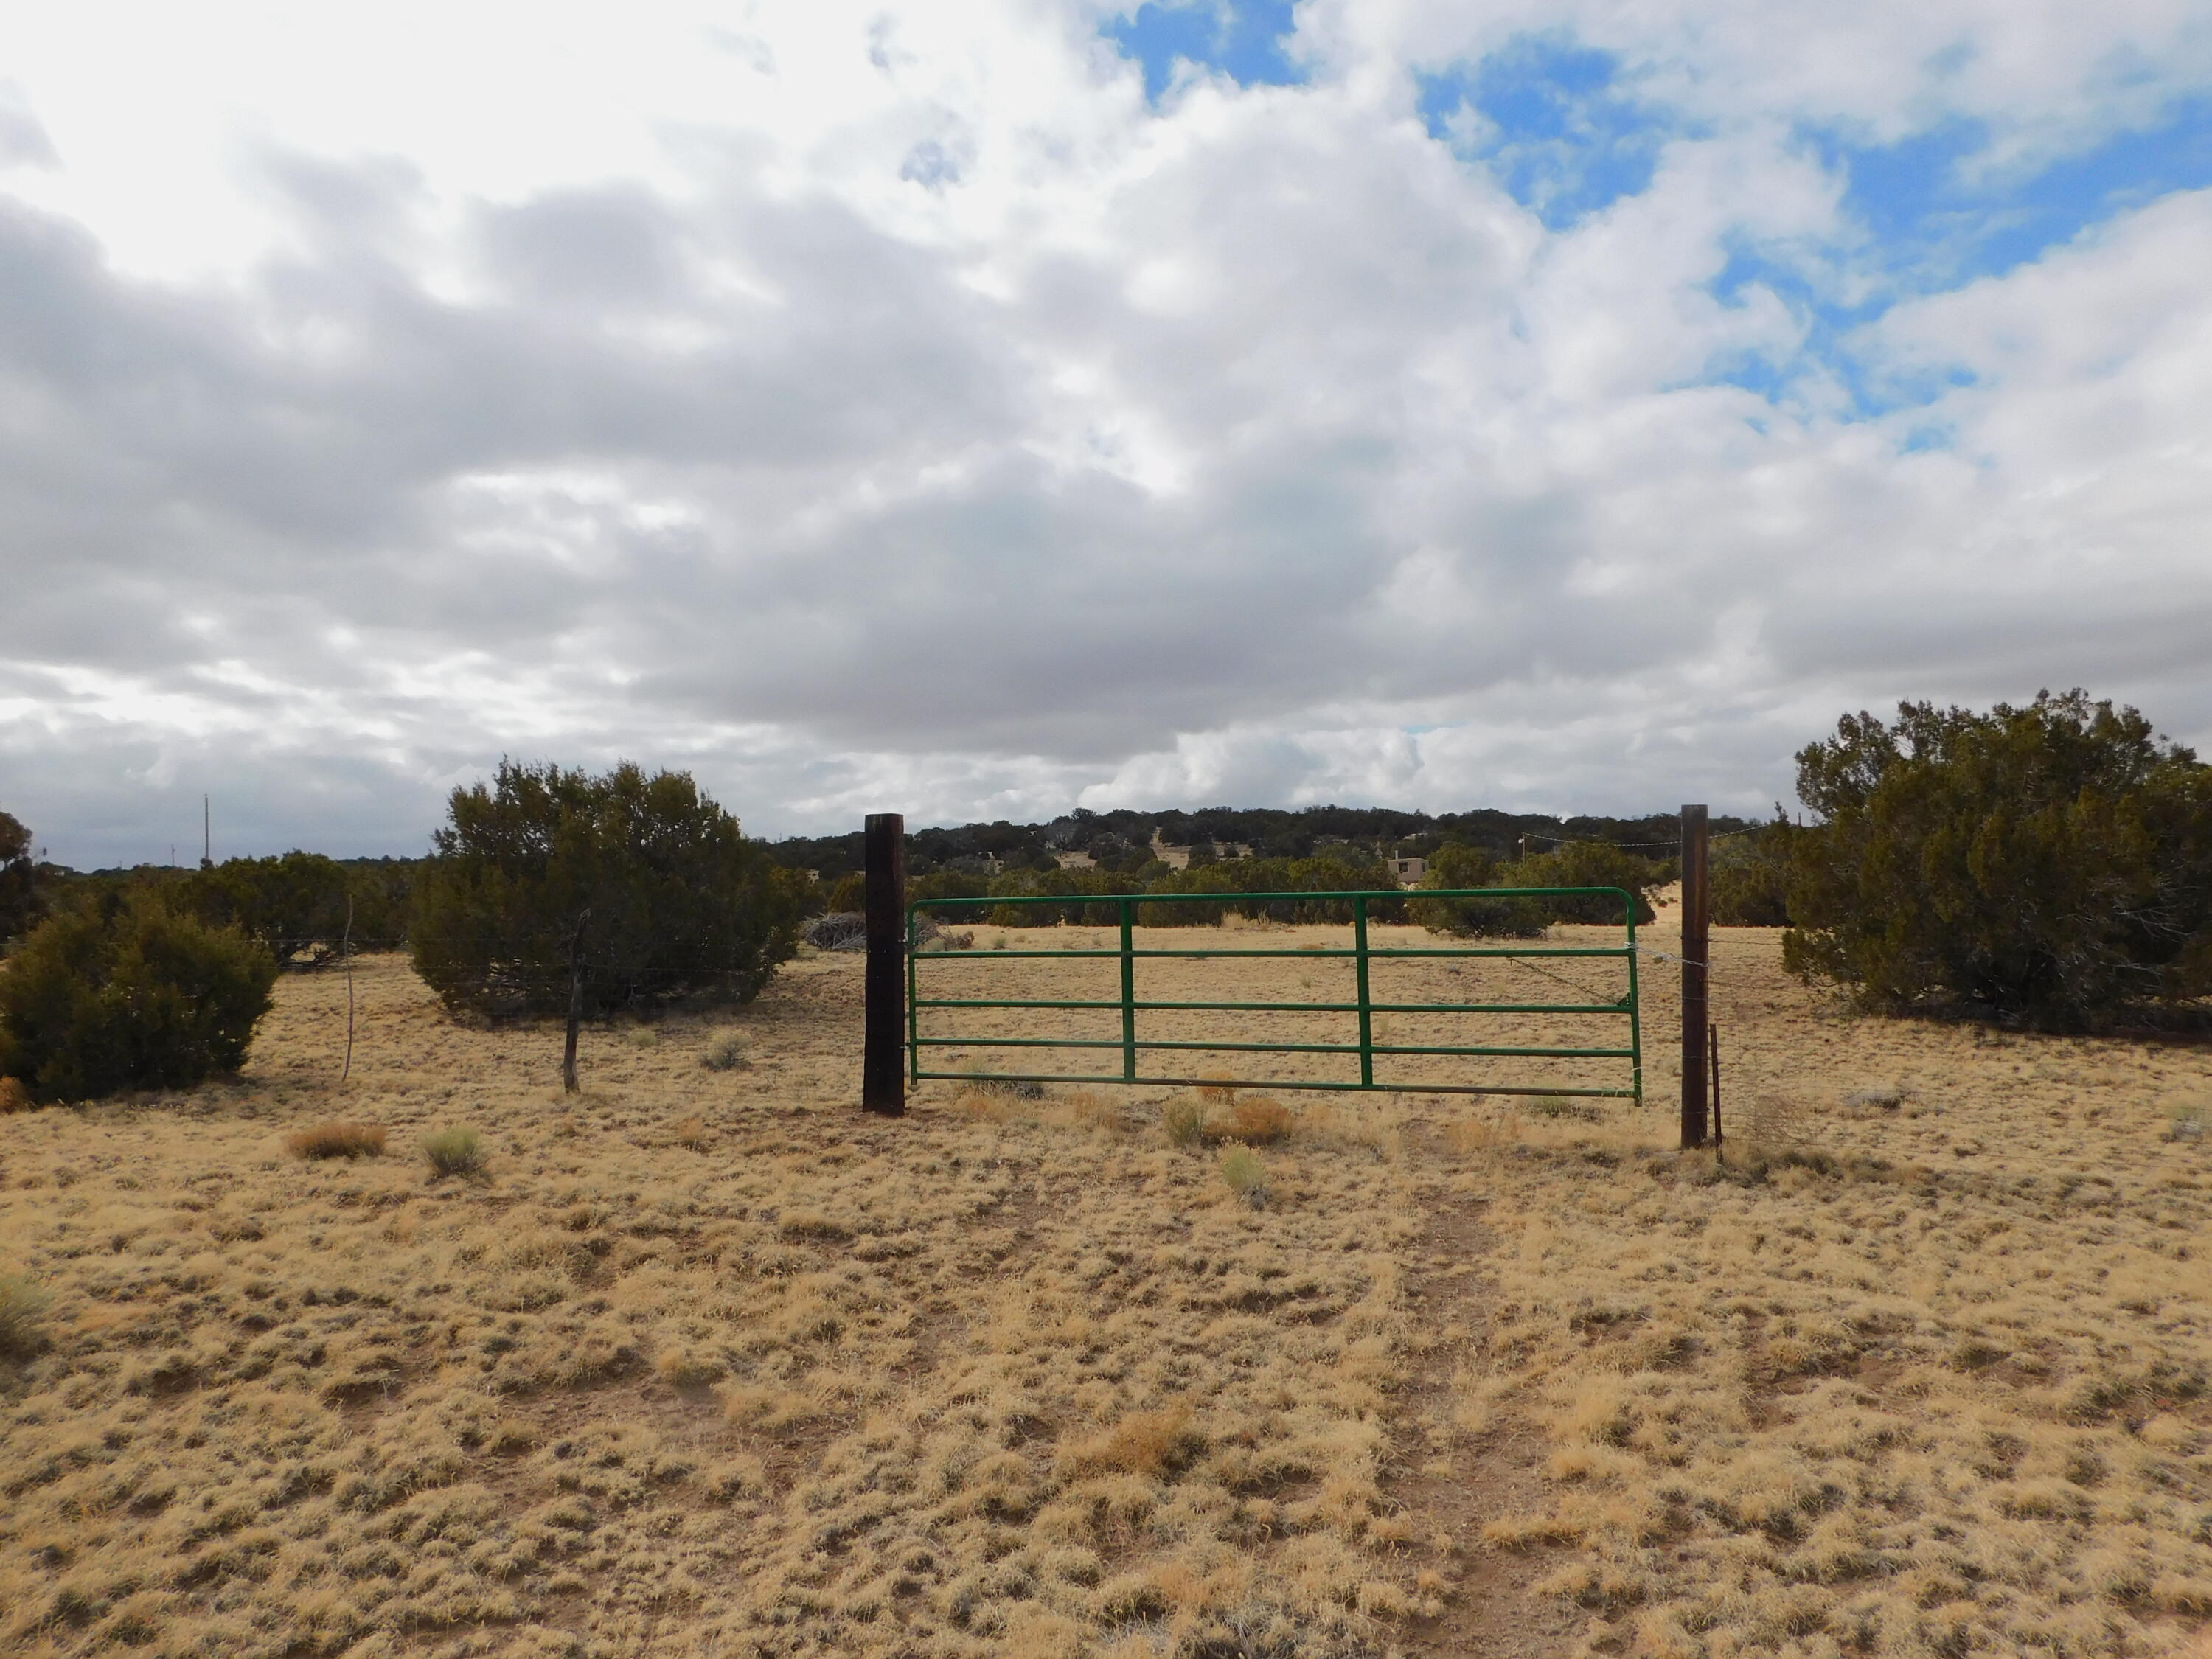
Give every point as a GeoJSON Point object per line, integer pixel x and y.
{"type": "Point", "coordinates": [883, 1063]}
{"type": "Point", "coordinates": [1696, 918]}
{"type": "Point", "coordinates": [569, 1084]}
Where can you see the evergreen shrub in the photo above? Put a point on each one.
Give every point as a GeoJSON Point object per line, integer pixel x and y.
{"type": "Point", "coordinates": [681, 905]}
{"type": "Point", "coordinates": [129, 991]}
{"type": "Point", "coordinates": [2051, 863]}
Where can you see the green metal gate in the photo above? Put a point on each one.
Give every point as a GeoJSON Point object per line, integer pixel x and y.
{"type": "Point", "coordinates": [1130, 1045]}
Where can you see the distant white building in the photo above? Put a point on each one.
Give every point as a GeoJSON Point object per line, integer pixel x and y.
{"type": "Point", "coordinates": [1409, 871]}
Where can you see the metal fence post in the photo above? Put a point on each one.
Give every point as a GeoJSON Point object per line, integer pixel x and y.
{"type": "Point", "coordinates": [1128, 992]}
{"type": "Point", "coordinates": [883, 1069]}
{"type": "Point", "coordinates": [1635, 1008]}
{"type": "Point", "coordinates": [1366, 1013]}
{"type": "Point", "coordinates": [1696, 915]}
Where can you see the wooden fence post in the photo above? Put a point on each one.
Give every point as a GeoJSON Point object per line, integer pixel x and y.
{"type": "Point", "coordinates": [1697, 910]}
{"type": "Point", "coordinates": [569, 1084]}
{"type": "Point", "coordinates": [882, 1065]}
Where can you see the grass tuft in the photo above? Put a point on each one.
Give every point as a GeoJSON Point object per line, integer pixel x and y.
{"type": "Point", "coordinates": [456, 1150]}
{"type": "Point", "coordinates": [1184, 1121]}
{"type": "Point", "coordinates": [726, 1052]}
{"type": "Point", "coordinates": [22, 1307]}
{"type": "Point", "coordinates": [336, 1140]}
{"type": "Point", "coordinates": [1148, 1443]}
{"type": "Point", "coordinates": [1255, 1121]}
{"type": "Point", "coordinates": [1246, 1176]}
{"type": "Point", "coordinates": [1559, 1108]}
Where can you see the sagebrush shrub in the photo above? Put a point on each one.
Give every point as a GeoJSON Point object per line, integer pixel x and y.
{"type": "Point", "coordinates": [128, 992]}
{"type": "Point", "coordinates": [347, 1140]}
{"type": "Point", "coordinates": [1245, 1175]}
{"type": "Point", "coordinates": [454, 1151]}
{"type": "Point", "coordinates": [725, 1053]}
{"type": "Point", "coordinates": [1184, 1121]}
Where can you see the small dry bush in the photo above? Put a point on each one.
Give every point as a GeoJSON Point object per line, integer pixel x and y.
{"type": "Point", "coordinates": [1184, 1121]}
{"type": "Point", "coordinates": [347, 1140]}
{"type": "Point", "coordinates": [1152, 1443]}
{"type": "Point", "coordinates": [726, 1052]}
{"type": "Point", "coordinates": [456, 1150]}
{"type": "Point", "coordinates": [1245, 1176]}
{"type": "Point", "coordinates": [14, 1096]}
{"type": "Point", "coordinates": [688, 1368]}
{"type": "Point", "coordinates": [22, 1304]}
{"type": "Point", "coordinates": [1255, 1121]}
{"type": "Point", "coordinates": [692, 1132]}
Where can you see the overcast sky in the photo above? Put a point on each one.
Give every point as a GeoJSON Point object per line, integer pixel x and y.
{"type": "Point", "coordinates": [979, 409]}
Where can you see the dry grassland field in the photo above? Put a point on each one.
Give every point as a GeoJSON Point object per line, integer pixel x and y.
{"type": "Point", "coordinates": [705, 1363]}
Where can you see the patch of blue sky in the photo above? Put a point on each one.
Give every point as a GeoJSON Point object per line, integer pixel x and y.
{"type": "Point", "coordinates": [1553, 121]}
{"type": "Point", "coordinates": [1240, 38]}
{"type": "Point", "coordinates": [1939, 215]}
{"type": "Point", "coordinates": [1931, 213]}
{"type": "Point", "coordinates": [1824, 363]}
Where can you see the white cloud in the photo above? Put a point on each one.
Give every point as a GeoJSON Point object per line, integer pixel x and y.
{"type": "Point", "coordinates": [381, 390]}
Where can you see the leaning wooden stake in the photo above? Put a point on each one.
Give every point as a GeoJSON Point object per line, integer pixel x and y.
{"type": "Point", "coordinates": [575, 1002]}
{"type": "Point", "coordinates": [346, 949]}
{"type": "Point", "coordinates": [1696, 913]}
{"type": "Point", "coordinates": [882, 1062]}
{"type": "Point", "coordinates": [1714, 1032]}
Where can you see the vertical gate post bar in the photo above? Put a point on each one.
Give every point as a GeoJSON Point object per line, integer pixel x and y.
{"type": "Point", "coordinates": [884, 1027]}
{"type": "Point", "coordinates": [1366, 1014]}
{"type": "Point", "coordinates": [1128, 992]}
{"type": "Point", "coordinates": [1696, 982]}
{"type": "Point", "coordinates": [907, 931]}
{"type": "Point", "coordinates": [1635, 1008]}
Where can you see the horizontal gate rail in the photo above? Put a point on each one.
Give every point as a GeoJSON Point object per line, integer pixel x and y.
{"type": "Point", "coordinates": [1128, 1005]}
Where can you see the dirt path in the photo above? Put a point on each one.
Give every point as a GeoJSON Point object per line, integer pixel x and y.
{"type": "Point", "coordinates": [1457, 1463]}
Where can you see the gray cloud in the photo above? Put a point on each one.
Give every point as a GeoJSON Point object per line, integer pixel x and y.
{"type": "Point", "coordinates": [1285, 462]}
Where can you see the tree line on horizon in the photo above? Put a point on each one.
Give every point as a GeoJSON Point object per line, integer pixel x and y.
{"type": "Point", "coordinates": [2048, 865]}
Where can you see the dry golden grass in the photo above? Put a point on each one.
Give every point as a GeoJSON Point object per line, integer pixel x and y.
{"type": "Point", "coordinates": [1254, 1121]}
{"type": "Point", "coordinates": [1919, 1366]}
{"type": "Point", "coordinates": [710, 1363]}
{"type": "Point", "coordinates": [336, 1140]}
